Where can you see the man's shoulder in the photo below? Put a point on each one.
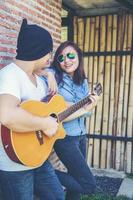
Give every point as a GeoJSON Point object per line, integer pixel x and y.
{"type": "Point", "coordinates": [8, 67]}
{"type": "Point", "coordinates": [9, 70]}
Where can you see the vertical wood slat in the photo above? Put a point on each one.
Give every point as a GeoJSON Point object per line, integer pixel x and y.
{"type": "Point", "coordinates": [80, 33]}
{"type": "Point", "coordinates": [121, 91]}
{"type": "Point", "coordinates": [90, 78]}
{"type": "Point", "coordinates": [129, 132]}
{"type": "Point", "coordinates": [86, 68]}
{"type": "Point", "coordinates": [125, 92]}
{"type": "Point", "coordinates": [75, 30]}
{"type": "Point", "coordinates": [112, 89]}
{"type": "Point", "coordinates": [130, 124]}
{"type": "Point", "coordinates": [117, 86]}
{"type": "Point", "coordinates": [109, 86]}
{"type": "Point", "coordinates": [120, 146]}
{"type": "Point", "coordinates": [86, 44]}
{"type": "Point", "coordinates": [94, 72]}
{"type": "Point", "coordinates": [125, 112]}
{"type": "Point", "coordinates": [96, 153]}
{"type": "Point", "coordinates": [130, 33]}
{"type": "Point", "coordinates": [112, 93]}
{"type": "Point", "coordinates": [101, 79]}
{"type": "Point", "coordinates": [129, 149]}
{"type": "Point", "coordinates": [119, 116]}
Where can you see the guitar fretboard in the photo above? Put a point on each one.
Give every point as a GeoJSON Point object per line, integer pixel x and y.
{"type": "Point", "coordinates": [66, 113]}
{"type": "Point", "coordinates": [63, 115]}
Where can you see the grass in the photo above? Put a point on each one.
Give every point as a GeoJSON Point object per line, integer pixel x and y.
{"type": "Point", "coordinates": [130, 176]}
{"type": "Point", "coordinates": [101, 197]}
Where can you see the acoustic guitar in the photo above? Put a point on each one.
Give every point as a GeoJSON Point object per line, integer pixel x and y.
{"type": "Point", "coordinates": [33, 148]}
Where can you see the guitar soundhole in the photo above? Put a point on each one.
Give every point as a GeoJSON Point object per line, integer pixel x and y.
{"type": "Point", "coordinates": [54, 116]}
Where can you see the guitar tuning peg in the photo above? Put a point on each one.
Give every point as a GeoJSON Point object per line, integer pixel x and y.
{"type": "Point", "coordinates": [98, 89]}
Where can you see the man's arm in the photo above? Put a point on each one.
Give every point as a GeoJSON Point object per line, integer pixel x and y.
{"type": "Point", "coordinates": [19, 120]}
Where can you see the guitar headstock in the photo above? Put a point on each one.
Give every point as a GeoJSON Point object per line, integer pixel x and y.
{"type": "Point", "coordinates": [97, 89]}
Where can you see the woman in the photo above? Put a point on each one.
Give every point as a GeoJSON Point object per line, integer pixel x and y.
{"type": "Point", "coordinates": [73, 86]}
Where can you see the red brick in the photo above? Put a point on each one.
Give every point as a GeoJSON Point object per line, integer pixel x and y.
{"type": "Point", "coordinates": [45, 13]}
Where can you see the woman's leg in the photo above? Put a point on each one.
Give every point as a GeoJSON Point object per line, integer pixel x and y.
{"type": "Point", "coordinates": [17, 185]}
{"type": "Point", "coordinates": [68, 150]}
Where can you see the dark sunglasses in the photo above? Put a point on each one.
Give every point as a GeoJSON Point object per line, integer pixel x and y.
{"type": "Point", "coordinates": [61, 57]}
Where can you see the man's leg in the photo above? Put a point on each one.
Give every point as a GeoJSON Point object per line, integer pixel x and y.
{"type": "Point", "coordinates": [17, 185]}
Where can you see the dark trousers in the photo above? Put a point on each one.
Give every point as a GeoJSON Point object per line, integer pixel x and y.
{"type": "Point", "coordinates": [23, 184]}
{"type": "Point", "coordinates": [79, 179]}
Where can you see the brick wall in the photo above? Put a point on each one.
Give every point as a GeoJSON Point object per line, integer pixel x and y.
{"type": "Point", "coordinates": [46, 13]}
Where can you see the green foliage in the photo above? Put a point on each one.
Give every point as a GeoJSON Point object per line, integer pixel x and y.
{"type": "Point", "coordinates": [130, 176]}
{"type": "Point", "coordinates": [103, 197]}
{"type": "Point", "coordinates": [94, 197]}
{"type": "Point", "coordinates": [122, 198]}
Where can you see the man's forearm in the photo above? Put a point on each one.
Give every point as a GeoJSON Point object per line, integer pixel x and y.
{"type": "Point", "coordinates": [22, 121]}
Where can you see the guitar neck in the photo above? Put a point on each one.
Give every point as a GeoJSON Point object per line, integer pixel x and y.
{"type": "Point", "coordinates": [72, 109]}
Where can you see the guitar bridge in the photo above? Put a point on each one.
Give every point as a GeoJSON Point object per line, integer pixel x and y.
{"type": "Point", "coordinates": [39, 135]}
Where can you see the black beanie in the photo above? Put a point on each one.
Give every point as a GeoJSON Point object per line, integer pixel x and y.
{"type": "Point", "coordinates": [33, 42]}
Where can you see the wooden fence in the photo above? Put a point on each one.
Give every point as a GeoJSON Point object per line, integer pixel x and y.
{"type": "Point", "coordinates": [107, 43]}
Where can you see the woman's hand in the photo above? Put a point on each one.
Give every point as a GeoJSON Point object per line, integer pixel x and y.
{"type": "Point", "coordinates": [52, 84]}
{"type": "Point", "coordinates": [94, 100]}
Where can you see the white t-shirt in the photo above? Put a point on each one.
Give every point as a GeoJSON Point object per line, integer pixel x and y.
{"type": "Point", "coordinates": [14, 81]}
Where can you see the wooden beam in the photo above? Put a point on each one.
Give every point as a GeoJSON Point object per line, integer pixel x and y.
{"type": "Point", "coordinates": [68, 21]}
{"type": "Point", "coordinates": [126, 3]}
{"type": "Point", "coordinates": [84, 12]}
{"type": "Point", "coordinates": [99, 11]}
{"type": "Point", "coordinates": [68, 8]}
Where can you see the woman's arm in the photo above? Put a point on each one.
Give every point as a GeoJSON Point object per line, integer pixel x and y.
{"type": "Point", "coordinates": [52, 84]}
{"type": "Point", "coordinates": [83, 111]}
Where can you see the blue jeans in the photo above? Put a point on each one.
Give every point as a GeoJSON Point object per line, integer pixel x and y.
{"type": "Point", "coordinates": [23, 185]}
{"type": "Point", "coordinates": [79, 179]}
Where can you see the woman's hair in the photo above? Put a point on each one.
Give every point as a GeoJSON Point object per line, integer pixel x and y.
{"type": "Point", "coordinates": [79, 74]}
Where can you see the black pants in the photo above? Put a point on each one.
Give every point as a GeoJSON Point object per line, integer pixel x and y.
{"type": "Point", "coordinates": [79, 179]}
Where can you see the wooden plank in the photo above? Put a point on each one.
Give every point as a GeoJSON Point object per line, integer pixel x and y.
{"type": "Point", "coordinates": [130, 124]}
{"type": "Point", "coordinates": [125, 112]}
{"type": "Point", "coordinates": [117, 82]}
{"type": "Point", "coordinates": [130, 33]}
{"type": "Point", "coordinates": [86, 45]}
{"type": "Point", "coordinates": [128, 30]}
{"type": "Point", "coordinates": [86, 68]}
{"type": "Point", "coordinates": [129, 149]}
{"type": "Point", "coordinates": [75, 29]}
{"type": "Point", "coordinates": [100, 79]}
{"type": "Point", "coordinates": [81, 33]}
{"type": "Point", "coordinates": [109, 88]}
{"type": "Point", "coordinates": [119, 144]}
{"type": "Point", "coordinates": [96, 159]}
{"type": "Point", "coordinates": [119, 116]}
{"type": "Point", "coordinates": [110, 151]}
{"type": "Point", "coordinates": [90, 78]}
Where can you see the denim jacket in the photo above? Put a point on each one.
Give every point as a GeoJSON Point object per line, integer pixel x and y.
{"type": "Point", "coordinates": [73, 93]}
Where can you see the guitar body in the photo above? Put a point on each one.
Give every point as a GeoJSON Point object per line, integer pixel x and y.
{"type": "Point", "coordinates": [25, 148]}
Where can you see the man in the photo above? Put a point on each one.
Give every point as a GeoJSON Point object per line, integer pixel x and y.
{"type": "Point", "coordinates": [18, 82]}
